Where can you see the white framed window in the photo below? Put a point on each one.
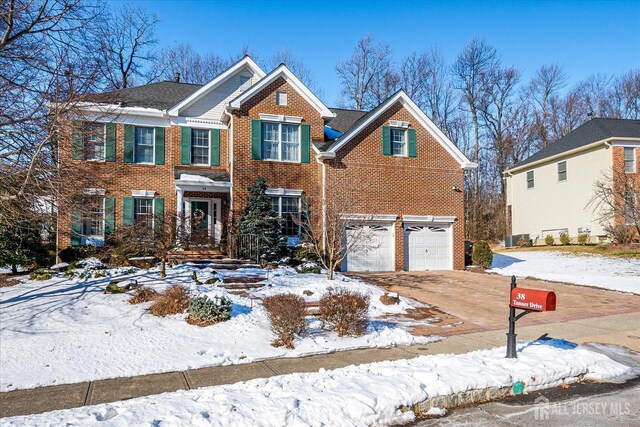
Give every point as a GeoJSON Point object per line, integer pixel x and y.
{"type": "Point", "coordinates": [530, 179]}
{"type": "Point", "coordinates": [629, 159]}
{"type": "Point", "coordinates": [200, 146]}
{"type": "Point", "coordinates": [144, 144]}
{"type": "Point", "coordinates": [398, 142]}
{"type": "Point", "coordinates": [143, 212]}
{"type": "Point", "coordinates": [95, 137]}
{"type": "Point", "coordinates": [93, 217]}
{"type": "Point", "coordinates": [281, 98]}
{"type": "Point", "coordinates": [281, 141]}
{"type": "Point", "coordinates": [288, 208]}
{"type": "Point", "coordinates": [562, 171]}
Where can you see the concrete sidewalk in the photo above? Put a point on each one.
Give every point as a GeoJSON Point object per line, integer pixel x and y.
{"type": "Point", "coordinates": [621, 329]}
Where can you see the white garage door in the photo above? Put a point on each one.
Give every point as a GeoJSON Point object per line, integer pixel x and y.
{"type": "Point", "coordinates": [371, 248]}
{"type": "Point", "coordinates": [428, 247]}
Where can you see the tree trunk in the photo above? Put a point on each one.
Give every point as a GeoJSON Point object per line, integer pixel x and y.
{"type": "Point", "coordinates": [163, 267]}
{"type": "Point", "coordinates": [14, 269]}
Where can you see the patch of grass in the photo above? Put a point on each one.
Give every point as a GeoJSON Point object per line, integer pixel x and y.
{"type": "Point", "coordinates": [143, 294]}
{"type": "Point", "coordinates": [174, 300]}
{"type": "Point", "coordinates": [608, 251]}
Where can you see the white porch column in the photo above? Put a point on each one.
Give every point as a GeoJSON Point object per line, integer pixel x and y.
{"type": "Point", "coordinates": [179, 209]}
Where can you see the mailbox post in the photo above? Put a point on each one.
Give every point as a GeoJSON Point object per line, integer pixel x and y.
{"type": "Point", "coordinates": [528, 300]}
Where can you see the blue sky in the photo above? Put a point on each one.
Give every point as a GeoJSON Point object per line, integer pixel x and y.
{"type": "Point", "coordinates": [585, 37]}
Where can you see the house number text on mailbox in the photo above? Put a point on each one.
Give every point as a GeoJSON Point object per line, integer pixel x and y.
{"type": "Point", "coordinates": [533, 299]}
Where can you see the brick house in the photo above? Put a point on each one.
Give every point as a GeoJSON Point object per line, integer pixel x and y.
{"type": "Point", "coordinates": [179, 149]}
{"type": "Point", "coordinates": [551, 192]}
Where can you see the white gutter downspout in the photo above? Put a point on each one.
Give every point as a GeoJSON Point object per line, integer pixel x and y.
{"type": "Point", "coordinates": [230, 159]}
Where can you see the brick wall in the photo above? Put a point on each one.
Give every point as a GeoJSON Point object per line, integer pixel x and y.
{"type": "Point", "coordinates": [294, 176]}
{"type": "Point", "coordinates": [618, 167]}
{"type": "Point", "coordinates": [379, 184]}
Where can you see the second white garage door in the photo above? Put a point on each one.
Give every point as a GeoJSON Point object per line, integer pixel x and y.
{"type": "Point", "coordinates": [428, 248]}
{"type": "Point", "coordinates": [372, 249]}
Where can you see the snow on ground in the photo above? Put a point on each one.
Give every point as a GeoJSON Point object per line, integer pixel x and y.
{"type": "Point", "coordinates": [356, 395]}
{"type": "Point", "coordinates": [67, 330]}
{"type": "Point", "coordinates": [619, 274]}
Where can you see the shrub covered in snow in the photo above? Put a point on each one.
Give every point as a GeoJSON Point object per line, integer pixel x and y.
{"type": "Point", "coordinates": [174, 300]}
{"type": "Point", "coordinates": [346, 312]}
{"type": "Point", "coordinates": [304, 253]}
{"type": "Point", "coordinates": [204, 311]}
{"type": "Point", "coordinates": [143, 294]}
{"type": "Point", "coordinates": [482, 255]}
{"type": "Point", "coordinates": [565, 239]}
{"type": "Point", "coordinates": [40, 275]}
{"type": "Point", "coordinates": [549, 240]}
{"type": "Point", "coordinates": [309, 267]}
{"type": "Point", "coordinates": [287, 316]}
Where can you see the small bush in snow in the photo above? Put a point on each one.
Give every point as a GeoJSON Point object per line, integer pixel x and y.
{"type": "Point", "coordinates": [304, 253]}
{"type": "Point", "coordinates": [287, 316]}
{"type": "Point", "coordinates": [204, 311]}
{"type": "Point", "coordinates": [522, 242]}
{"type": "Point", "coordinates": [482, 255]}
{"type": "Point", "coordinates": [40, 275]}
{"type": "Point", "coordinates": [309, 267]}
{"type": "Point", "coordinates": [345, 311]}
{"type": "Point", "coordinates": [549, 240]}
{"type": "Point", "coordinates": [583, 239]}
{"type": "Point", "coordinates": [174, 300]}
{"type": "Point", "coordinates": [143, 294]}
{"type": "Point", "coordinates": [622, 234]}
{"type": "Point", "coordinates": [565, 239]}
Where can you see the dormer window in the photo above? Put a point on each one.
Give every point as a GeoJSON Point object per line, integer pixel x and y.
{"type": "Point", "coordinates": [281, 98]}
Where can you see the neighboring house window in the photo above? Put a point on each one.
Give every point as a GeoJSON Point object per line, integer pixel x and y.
{"type": "Point", "coordinates": [200, 146]}
{"type": "Point", "coordinates": [289, 209]}
{"type": "Point", "coordinates": [530, 179]}
{"type": "Point", "coordinates": [281, 98]}
{"type": "Point", "coordinates": [398, 142]}
{"type": "Point", "coordinates": [143, 212]}
{"type": "Point", "coordinates": [630, 208]}
{"type": "Point", "coordinates": [94, 141]}
{"type": "Point", "coordinates": [629, 159]}
{"type": "Point", "coordinates": [562, 171]}
{"type": "Point", "coordinates": [93, 217]}
{"type": "Point", "coordinates": [280, 142]}
{"type": "Point", "coordinates": [144, 144]}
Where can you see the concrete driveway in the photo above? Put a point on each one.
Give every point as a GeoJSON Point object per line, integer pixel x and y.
{"type": "Point", "coordinates": [464, 302]}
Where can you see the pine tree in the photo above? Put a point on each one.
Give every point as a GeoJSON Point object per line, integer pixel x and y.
{"type": "Point", "coordinates": [20, 245]}
{"type": "Point", "coordinates": [259, 219]}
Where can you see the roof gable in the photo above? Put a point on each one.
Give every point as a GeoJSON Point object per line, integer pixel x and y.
{"type": "Point", "coordinates": [245, 63]}
{"type": "Point", "coordinates": [285, 73]}
{"type": "Point", "coordinates": [415, 111]}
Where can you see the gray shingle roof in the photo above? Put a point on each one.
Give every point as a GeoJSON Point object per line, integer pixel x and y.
{"type": "Point", "coordinates": [591, 131]}
{"type": "Point", "coordinates": [344, 119]}
{"type": "Point", "coordinates": [161, 95]}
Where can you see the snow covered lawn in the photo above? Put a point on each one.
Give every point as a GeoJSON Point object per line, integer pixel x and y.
{"type": "Point", "coordinates": [67, 330]}
{"type": "Point", "coordinates": [610, 273]}
{"type": "Point", "coordinates": [356, 395]}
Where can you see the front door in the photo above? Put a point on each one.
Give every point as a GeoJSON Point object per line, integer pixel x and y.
{"type": "Point", "coordinates": [203, 220]}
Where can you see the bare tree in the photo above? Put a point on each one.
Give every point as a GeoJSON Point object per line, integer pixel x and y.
{"type": "Point", "coordinates": [127, 42]}
{"type": "Point", "coordinates": [44, 67]}
{"type": "Point", "coordinates": [545, 84]}
{"type": "Point", "coordinates": [364, 70]}
{"type": "Point", "coordinates": [332, 246]}
{"type": "Point", "coordinates": [296, 65]}
{"type": "Point", "coordinates": [625, 96]}
{"type": "Point", "coordinates": [189, 64]}
{"type": "Point", "coordinates": [615, 200]}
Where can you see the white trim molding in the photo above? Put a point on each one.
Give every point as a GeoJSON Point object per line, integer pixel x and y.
{"type": "Point", "coordinates": [428, 219]}
{"type": "Point", "coordinates": [199, 123]}
{"type": "Point", "coordinates": [283, 192]}
{"type": "Point", "coordinates": [398, 124]}
{"type": "Point", "coordinates": [245, 62]}
{"type": "Point", "coordinates": [422, 118]}
{"type": "Point", "coordinates": [280, 118]}
{"type": "Point", "coordinates": [368, 217]}
{"type": "Point", "coordinates": [143, 193]}
{"type": "Point", "coordinates": [625, 142]}
{"type": "Point", "coordinates": [284, 72]}
{"type": "Point", "coordinates": [209, 187]}
{"type": "Point", "coordinates": [95, 191]}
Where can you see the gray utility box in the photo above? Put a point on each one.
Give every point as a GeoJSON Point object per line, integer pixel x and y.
{"type": "Point", "coordinates": [512, 241]}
